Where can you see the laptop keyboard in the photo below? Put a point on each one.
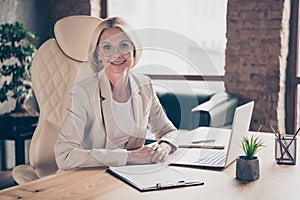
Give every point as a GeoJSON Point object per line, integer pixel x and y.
{"type": "Point", "coordinates": [213, 158]}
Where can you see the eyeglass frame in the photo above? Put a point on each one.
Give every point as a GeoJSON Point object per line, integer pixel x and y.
{"type": "Point", "coordinates": [114, 47]}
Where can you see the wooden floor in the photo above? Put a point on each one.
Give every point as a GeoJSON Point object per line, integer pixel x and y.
{"type": "Point", "coordinates": [6, 179]}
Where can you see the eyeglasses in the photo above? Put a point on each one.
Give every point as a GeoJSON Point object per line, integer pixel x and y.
{"type": "Point", "coordinates": [124, 47]}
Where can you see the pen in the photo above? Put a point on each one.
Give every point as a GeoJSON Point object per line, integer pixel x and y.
{"type": "Point", "coordinates": [275, 132]}
{"type": "Point", "coordinates": [296, 134]}
{"type": "Point", "coordinates": [201, 146]}
{"type": "Point", "coordinates": [203, 141]}
{"type": "Point", "coordinates": [281, 146]}
{"type": "Point", "coordinates": [178, 184]}
{"type": "Point", "coordinates": [293, 138]}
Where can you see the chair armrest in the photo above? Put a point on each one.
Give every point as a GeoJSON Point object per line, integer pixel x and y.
{"type": "Point", "coordinates": [217, 112]}
{"type": "Point", "coordinates": [24, 174]}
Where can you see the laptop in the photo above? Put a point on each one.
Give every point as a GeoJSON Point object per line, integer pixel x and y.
{"type": "Point", "coordinates": [231, 139]}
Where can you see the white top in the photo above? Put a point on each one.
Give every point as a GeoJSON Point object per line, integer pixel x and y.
{"type": "Point", "coordinates": [124, 119]}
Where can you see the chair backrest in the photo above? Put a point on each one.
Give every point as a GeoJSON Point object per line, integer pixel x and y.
{"type": "Point", "coordinates": [57, 65]}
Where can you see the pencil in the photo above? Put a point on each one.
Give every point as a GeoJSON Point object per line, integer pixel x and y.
{"type": "Point", "coordinates": [201, 146]}
{"type": "Point", "coordinates": [203, 141]}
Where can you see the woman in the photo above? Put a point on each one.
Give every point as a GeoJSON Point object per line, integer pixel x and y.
{"type": "Point", "coordinates": [109, 113]}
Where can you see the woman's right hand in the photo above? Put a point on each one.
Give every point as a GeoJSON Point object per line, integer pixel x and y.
{"type": "Point", "coordinates": [142, 155]}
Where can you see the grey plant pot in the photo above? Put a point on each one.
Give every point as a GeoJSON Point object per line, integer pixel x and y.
{"type": "Point", "coordinates": [247, 170]}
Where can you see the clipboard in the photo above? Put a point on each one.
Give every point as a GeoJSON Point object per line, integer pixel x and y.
{"type": "Point", "coordinates": [154, 176]}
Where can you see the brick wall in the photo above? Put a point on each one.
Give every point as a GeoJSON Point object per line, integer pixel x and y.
{"type": "Point", "coordinates": [256, 53]}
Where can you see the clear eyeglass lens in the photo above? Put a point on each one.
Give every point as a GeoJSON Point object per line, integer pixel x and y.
{"type": "Point", "coordinates": [108, 50]}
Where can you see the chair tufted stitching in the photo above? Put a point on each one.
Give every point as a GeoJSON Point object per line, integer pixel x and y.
{"type": "Point", "coordinates": [53, 83]}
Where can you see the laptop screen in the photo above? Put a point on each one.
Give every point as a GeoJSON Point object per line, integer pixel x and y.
{"type": "Point", "coordinates": [240, 128]}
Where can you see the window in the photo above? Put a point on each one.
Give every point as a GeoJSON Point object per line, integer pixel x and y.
{"type": "Point", "coordinates": [178, 38]}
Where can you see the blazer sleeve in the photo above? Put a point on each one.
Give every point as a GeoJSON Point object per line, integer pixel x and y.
{"type": "Point", "coordinates": [159, 124]}
{"type": "Point", "coordinates": [70, 150]}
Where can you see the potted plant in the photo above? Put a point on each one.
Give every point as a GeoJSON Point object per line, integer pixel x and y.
{"type": "Point", "coordinates": [247, 166]}
{"type": "Point", "coordinates": [17, 46]}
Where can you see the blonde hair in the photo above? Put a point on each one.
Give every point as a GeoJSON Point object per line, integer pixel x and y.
{"type": "Point", "coordinates": [112, 22]}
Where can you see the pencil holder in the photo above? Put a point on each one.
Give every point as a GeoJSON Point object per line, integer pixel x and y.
{"type": "Point", "coordinates": [285, 150]}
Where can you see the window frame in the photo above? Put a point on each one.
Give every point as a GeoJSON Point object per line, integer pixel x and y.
{"type": "Point", "coordinates": [292, 79]}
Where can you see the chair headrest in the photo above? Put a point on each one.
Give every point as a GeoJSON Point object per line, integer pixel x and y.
{"type": "Point", "coordinates": [73, 35]}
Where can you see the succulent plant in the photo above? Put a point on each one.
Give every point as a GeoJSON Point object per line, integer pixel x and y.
{"type": "Point", "coordinates": [251, 146]}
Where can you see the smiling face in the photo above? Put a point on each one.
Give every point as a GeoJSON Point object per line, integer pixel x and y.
{"type": "Point", "coordinates": [115, 52]}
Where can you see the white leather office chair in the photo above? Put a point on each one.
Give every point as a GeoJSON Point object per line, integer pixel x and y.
{"type": "Point", "coordinates": [57, 65]}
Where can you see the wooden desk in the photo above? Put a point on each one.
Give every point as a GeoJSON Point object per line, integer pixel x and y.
{"type": "Point", "coordinates": [276, 182]}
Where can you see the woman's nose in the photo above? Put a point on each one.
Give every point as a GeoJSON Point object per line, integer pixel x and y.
{"type": "Point", "coordinates": [116, 52]}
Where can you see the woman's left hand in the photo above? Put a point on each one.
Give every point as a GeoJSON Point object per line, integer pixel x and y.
{"type": "Point", "coordinates": [160, 152]}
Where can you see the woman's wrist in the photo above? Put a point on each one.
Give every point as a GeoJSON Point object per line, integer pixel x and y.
{"type": "Point", "coordinates": [129, 157]}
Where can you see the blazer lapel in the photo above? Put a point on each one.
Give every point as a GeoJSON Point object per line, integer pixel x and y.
{"type": "Point", "coordinates": [136, 102]}
{"type": "Point", "coordinates": [106, 99]}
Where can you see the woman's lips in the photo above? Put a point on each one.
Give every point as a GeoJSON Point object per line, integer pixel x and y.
{"type": "Point", "coordinates": [118, 63]}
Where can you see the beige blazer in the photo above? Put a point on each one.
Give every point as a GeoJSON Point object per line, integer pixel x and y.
{"type": "Point", "coordinates": [85, 137]}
